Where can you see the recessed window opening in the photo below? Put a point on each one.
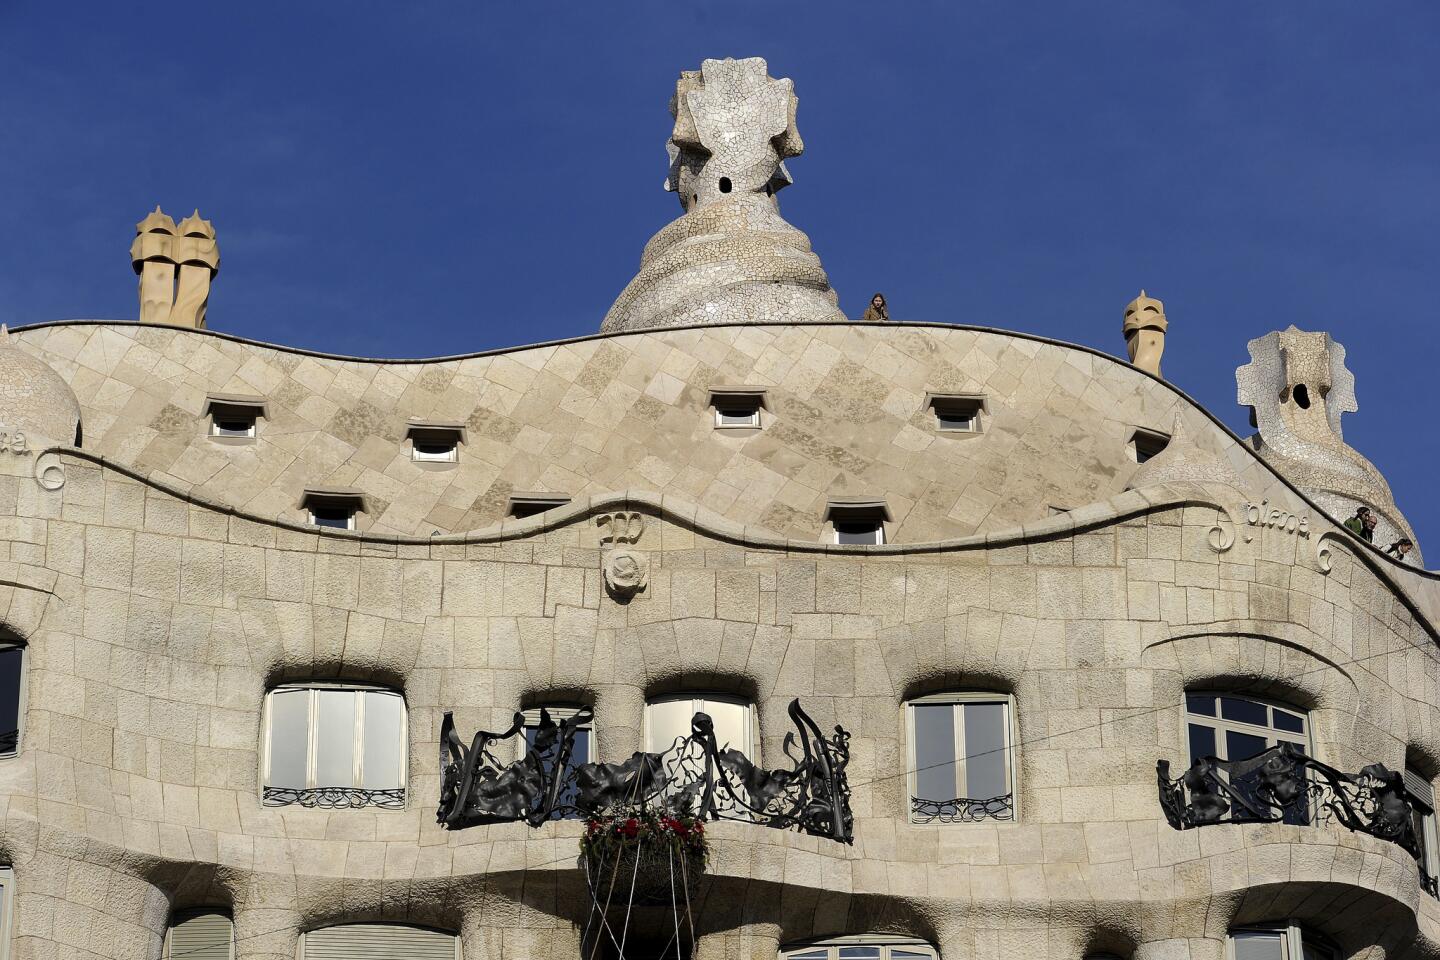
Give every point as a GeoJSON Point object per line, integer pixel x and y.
{"type": "Point", "coordinates": [1302, 396]}
{"type": "Point", "coordinates": [435, 442]}
{"type": "Point", "coordinates": [334, 509]}
{"type": "Point", "coordinates": [205, 933]}
{"type": "Point", "coordinates": [582, 748]}
{"type": "Point", "coordinates": [737, 407]}
{"type": "Point", "coordinates": [961, 762]}
{"type": "Point", "coordinates": [724, 184]}
{"type": "Point", "coordinates": [1146, 444]}
{"type": "Point", "coordinates": [955, 413]}
{"type": "Point", "coordinates": [524, 505]}
{"type": "Point", "coordinates": [858, 521]}
{"type": "Point", "coordinates": [1281, 941]}
{"type": "Point", "coordinates": [874, 946]}
{"type": "Point", "coordinates": [235, 418]}
{"type": "Point", "coordinates": [12, 692]}
{"type": "Point", "coordinates": [334, 745]}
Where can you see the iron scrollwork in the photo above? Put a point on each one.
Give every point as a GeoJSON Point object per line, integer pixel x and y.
{"type": "Point", "coordinates": [962, 809]}
{"type": "Point", "coordinates": [694, 776]}
{"type": "Point", "coordinates": [1283, 785]}
{"type": "Point", "coordinates": [334, 798]}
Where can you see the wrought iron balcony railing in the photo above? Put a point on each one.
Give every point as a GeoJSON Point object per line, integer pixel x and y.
{"type": "Point", "coordinates": [9, 741]}
{"type": "Point", "coordinates": [962, 809]}
{"type": "Point", "coordinates": [1283, 785]}
{"type": "Point", "coordinates": [333, 798]}
{"type": "Point", "coordinates": [694, 776]}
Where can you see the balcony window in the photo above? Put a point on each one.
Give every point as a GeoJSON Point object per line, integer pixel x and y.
{"type": "Point", "coordinates": [858, 521]}
{"type": "Point", "coordinates": [12, 692]}
{"type": "Point", "coordinates": [737, 407]}
{"type": "Point", "coordinates": [1232, 727]}
{"type": "Point", "coordinates": [667, 719]}
{"type": "Point", "coordinates": [1422, 815]}
{"type": "Point", "coordinates": [203, 934]}
{"type": "Point", "coordinates": [378, 941]}
{"type": "Point", "coordinates": [582, 749]}
{"type": "Point", "coordinates": [1145, 444]}
{"type": "Point", "coordinates": [961, 758]}
{"type": "Point", "coordinates": [1277, 942]}
{"type": "Point", "coordinates": [432, 442]}
{"type": "Point", "coordinates": [334, 746]}
{"type": "Point", "coordinates": [865, 947]}
{"type": "Point", "coordinates": [529, 504]}
{"type": "Point", "coordinates": [957, 413]}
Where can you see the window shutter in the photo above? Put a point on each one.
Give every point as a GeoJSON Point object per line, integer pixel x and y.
{"type": "Point", "coordinates": [379, 941]}
{"type": "Point", "coordinates": [1420, 788]}
{"type": "Point", "coordinates": [201, 935]}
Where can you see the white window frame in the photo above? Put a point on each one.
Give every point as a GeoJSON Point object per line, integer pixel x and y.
{"type": "Point", "coordinates": [448, 436]}
{"type": "Point", "coordinates": [698, 700]}
{"type": "Point", "coordinates": [833, 945]}
{"type": "Point", "coordinates": [1272, 734]}
{"type": "Point", "coordinates": [1139, 437]}
{"type": "Point", "coordinates": [357, 772]}
{"type": "Point", "coordinates": [219, 408]}
{"type": "Point", "coordinates": [181, 916]}
{"type": "Point", "coordinates": [20, 700]}
{"type": "Point", "coordinates": [1292, 940]}
{"type": "Point", "coordinates": [749, 401]}
{"type": "Point", "coordinates": [1012, 772]}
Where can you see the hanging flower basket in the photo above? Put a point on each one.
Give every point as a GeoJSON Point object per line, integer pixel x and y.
{"type": "Point", "coordinates": [654, 855]}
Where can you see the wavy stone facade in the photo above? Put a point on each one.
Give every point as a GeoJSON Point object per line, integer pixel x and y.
{"type": "Point", "coordinates": [1038, 548]}
{"type": "Point", "coordinates": [157, 614]}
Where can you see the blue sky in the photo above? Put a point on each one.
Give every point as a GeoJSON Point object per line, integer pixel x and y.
{"type": "Point", "coordinates": [435, 178]}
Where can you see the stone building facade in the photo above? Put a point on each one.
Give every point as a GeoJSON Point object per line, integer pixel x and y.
{"type": "Point", "coordinates": [215, 547]}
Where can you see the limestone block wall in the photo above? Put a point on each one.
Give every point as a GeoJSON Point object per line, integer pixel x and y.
{"type": "Point", "coordinates": [846, 415]}
{"type": "Point", "coordinates": [165, 620]}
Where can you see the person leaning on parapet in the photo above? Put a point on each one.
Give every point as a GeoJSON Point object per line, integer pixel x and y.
{"type": "Point", "coordinates": [876, 312]}
{"type": "Point", "coordinates": [1362, 524]}
{"type": "Point", "coordinates": [1399, 548]}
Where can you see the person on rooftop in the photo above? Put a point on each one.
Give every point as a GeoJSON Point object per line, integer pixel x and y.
{"type": "Point", "coordinates": [1362, 524]}
{"type": "Point", "coordinates": [877, 311]}
{"type": "Point", "coordinates": [1400, 547]}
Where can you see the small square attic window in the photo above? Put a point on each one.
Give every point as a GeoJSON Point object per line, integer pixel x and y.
{"type": "Point", "coordinates": [432, 442]}
{"type": "Point", "coordinates": [234, 419]}
{"type": "Point", "coordinates": [336, 509]}
{"type": "Point", "coordinates": [858, 521]}
{"type": "Point", "coordinates": [957, 413]}
{"type": "Point", "coordinates": [1144, 444]}
{"type": "Point", "coordinates": [737, 407]}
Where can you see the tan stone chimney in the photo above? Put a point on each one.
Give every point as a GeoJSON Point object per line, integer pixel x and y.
{"type": "Point", "coordinates": [176, 265]}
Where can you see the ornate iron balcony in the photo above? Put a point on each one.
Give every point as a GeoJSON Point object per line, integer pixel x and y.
{"type": "Point", "coordinates": [1283, 785]}
{"type": "Point", "coordinates": [694, 777]}
{"type": "Point", "coordinates": [962, 809]}
{"type": "Point", "coordinates": [334, 798]}
{"type": "Point", "coordinates": [9, 741]}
